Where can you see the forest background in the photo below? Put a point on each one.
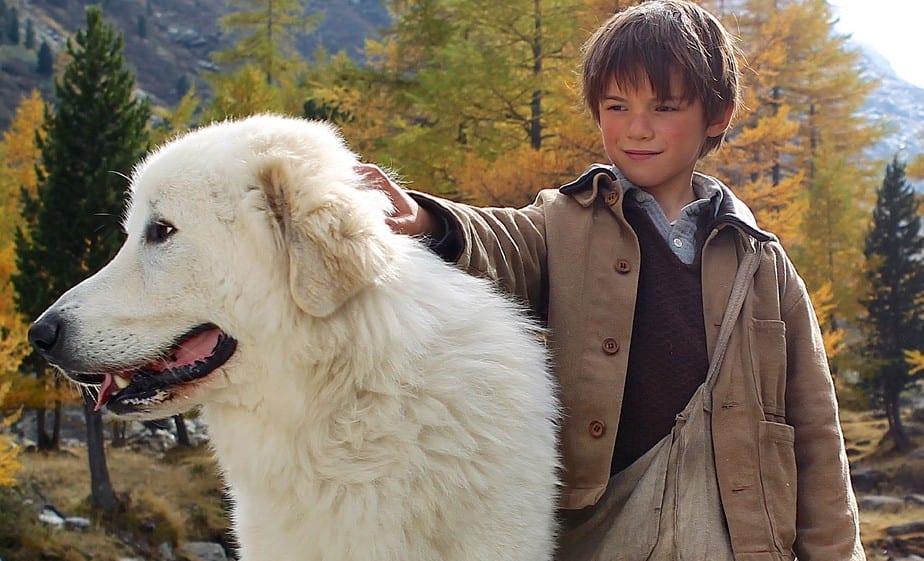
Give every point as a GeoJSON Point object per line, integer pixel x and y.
{"type": "Point", "coordinates": [477, 100]}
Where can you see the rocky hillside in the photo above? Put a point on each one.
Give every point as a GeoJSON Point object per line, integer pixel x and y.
{"type": "Point", "coordinates": [898, 104]}
{"type": "Point", "coordinates": [167, 42]}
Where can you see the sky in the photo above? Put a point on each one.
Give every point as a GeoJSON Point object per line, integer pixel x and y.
{"type": "Point", "coordinates": [891, 27]}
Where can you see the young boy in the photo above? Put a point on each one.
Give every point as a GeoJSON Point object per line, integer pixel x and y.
{"type": "Point", "coordinates": [644, 273]}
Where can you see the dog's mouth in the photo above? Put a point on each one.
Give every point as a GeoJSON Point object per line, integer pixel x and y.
{"type": "Point", "coordinates": [194, 356]}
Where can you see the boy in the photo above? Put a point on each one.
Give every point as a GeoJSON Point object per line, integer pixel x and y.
{"type": "Point", "coordinates": [644, 273]}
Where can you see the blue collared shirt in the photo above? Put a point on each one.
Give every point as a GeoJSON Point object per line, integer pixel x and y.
{"type": "Point", "coordinates": [681, 234]}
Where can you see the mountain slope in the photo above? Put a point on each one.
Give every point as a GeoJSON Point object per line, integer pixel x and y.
{"type": "Point", "coordinates": [167, 42]}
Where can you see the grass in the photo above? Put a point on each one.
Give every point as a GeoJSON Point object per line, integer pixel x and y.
{"type": "Point", "coordinates": [176, 496]}
{"type": "Point", "coordinates": [869, 447]}
{"type": "Point", "coordinates": [164, 498]}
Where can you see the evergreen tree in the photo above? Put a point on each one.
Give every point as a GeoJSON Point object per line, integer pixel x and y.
{"type": "Point", "coordinates": [29, 43]}
{"type": "Point", "coordinates": [12, 26]}
{"type": "Point", "coordinates": [91, 139]}
{"type": "Point", "coordinates": [894, 305]}
{"type": "Point", "coordinates": [44, 60]}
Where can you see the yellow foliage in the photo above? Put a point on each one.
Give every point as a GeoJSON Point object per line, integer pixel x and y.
{"type": "Point", "coordinates": [916, 360]}
{"type": "Point", "coordinates": [9, 465]}
{"type": "Point", "coordinates": [824, 302]}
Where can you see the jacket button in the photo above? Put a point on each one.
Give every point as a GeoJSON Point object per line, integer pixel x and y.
{"type": "Point", "coordinates": [596, 429]}
{"type": "Point", "coordinates": [610, 346]}
{"type": "Point", "coordinates": [623, 266]}
{"type": "Point", "coordinates": [612, 198]}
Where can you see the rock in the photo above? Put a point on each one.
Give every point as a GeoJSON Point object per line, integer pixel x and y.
{"type": "Point", "coordinates": [915, 499]}
{"type": "Point", "coordinates": [907, 528]}
{"type": "Point", "coordinates": [165, 552]}
{"type": "Point", "coordinates": [49, 515]}
{"type": "Point", "coordinates": [77, 522]}
{"type": "Point", "coordinates": [201, 551]}
{"type": "Point", "coordinates": [883, 503]}
{"type": "Point", "coordinates": [865, 480]}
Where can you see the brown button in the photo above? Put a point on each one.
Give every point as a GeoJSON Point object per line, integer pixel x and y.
{"type": "Point", "coordinates": [612, 198]}
{"type": "Point", "coordinates": [623, 266]}
{"type": "Point", "coordinates": [610, 346]}
{"type": "Point", "coordinates": [596, 429]}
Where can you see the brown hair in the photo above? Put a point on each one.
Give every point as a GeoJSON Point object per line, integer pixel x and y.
{"type": "Point", "coordinates": [656, 38]}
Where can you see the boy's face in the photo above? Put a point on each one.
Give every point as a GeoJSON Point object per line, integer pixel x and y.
{"type": "Point", "coordinates": [654, 142]}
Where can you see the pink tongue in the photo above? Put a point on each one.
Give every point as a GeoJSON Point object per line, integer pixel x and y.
{"type": "Point", "coordinates": [106, 389]}
{"type": "Point", "coordinates": [188, 352]}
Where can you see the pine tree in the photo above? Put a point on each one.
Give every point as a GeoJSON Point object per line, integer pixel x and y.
{"type": "Point", "coordinates": [44, 60]}
{"type": "Point", "coordinates": [91, 139]}
{"type": "Point", "coordinates": [894, 305]}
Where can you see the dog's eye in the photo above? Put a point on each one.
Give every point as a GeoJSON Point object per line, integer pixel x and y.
{"type": "Point", "coordinates": [159, 231]}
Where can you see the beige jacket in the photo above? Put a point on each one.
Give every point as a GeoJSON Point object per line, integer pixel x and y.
{"type": "Point", "coordinates": [781, 464]}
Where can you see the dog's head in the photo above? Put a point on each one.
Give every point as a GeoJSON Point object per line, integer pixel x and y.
{"type": "Point", "coordinates": [235, 232]}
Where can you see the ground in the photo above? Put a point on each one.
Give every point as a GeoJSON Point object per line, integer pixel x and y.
{"type": "Point", "coordinates": [176, 496]}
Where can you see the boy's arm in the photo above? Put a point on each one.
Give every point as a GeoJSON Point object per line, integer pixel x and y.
{"type": "Point", "coordinates": [827, 516]}
{"type": "Point", "coordinates": [504, 244]}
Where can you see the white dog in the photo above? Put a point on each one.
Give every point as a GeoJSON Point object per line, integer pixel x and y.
{"type": "Point", "coordinates": [366, 401]}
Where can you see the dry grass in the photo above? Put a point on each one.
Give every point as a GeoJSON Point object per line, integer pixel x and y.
{"type": "Point", "coordinates": [177, 496]}
{"type": "Point", "coordinates": [167, 498]}
{"type": "Point", "coordinates": [869, 448]}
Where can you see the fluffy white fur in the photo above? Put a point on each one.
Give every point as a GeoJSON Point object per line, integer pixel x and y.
{"type": "Point", "coordinates": [381, 405]}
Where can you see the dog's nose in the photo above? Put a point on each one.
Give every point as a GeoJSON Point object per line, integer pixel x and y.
{"type": "Point", "coordinates": [44, 333]}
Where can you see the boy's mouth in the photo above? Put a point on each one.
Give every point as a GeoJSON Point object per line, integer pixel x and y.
{"type": "Point", "coordinates": [640, 154]}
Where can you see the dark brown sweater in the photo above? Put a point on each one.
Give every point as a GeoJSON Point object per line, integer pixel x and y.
{"type": "Point", "coordinates": [667, 357]}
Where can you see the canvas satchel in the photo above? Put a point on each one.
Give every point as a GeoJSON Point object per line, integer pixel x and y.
{"type": "Point", "coordinates": [666, 505]}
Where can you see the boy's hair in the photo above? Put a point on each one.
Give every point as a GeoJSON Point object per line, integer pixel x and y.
{"type": "Point", "coordinates": [656, 38]}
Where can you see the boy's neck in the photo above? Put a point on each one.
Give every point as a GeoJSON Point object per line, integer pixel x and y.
{"type": "Point", "coordinates": [672, 201]}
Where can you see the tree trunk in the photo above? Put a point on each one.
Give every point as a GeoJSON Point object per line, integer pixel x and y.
{"type": "Point", "coordinates": [102, 496]}
{"type": "Point", "coordinates": [42, 439]}
{"type": "Point", "coordinates": [896, 429]}
{"type": "Point", "coordinates": [182, 435]}
{"type": "Point", "coordinates": [118, 433]}
{"type": "Point", "coordinates": [57, 421]}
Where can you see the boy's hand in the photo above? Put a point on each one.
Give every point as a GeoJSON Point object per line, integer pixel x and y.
{"type": "Point", "coordinates": [408, 217]}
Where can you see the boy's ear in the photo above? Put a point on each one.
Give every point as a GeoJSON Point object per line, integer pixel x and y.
{"type": "Point", "coordinates": [721, 123]}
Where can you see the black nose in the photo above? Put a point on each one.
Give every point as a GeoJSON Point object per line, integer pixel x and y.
{"type": "Point", "coordinates": [45, 333]}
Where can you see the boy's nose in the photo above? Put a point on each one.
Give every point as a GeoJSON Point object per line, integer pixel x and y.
{"type": "Point", "coordinates": [639, 126]}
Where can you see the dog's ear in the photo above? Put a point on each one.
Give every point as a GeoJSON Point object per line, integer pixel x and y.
{"type": "Point", "coordinates": [337, 242]}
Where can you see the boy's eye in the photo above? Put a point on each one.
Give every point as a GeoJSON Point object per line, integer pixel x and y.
{"type": "Point", "coordinates": [615, 107]}
{"type": "Point", "coordinates": [666, 107]}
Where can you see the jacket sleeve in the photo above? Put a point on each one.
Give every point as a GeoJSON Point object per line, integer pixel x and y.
{"type": "Point", "coordinates": [827, 518]}
{"type": "Point", "coordinates": [506, 245]}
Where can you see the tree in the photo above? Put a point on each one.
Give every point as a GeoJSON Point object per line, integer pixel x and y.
{"type": "Point", "coordinates": [29, 42]}
{"type": "Point", "coordinates": [12, 26]}
{"type": "Point", "coordinates": [44, 60]}
{"type": "Point", "coordinates": [467, 83]}
{"type": "Point", "coordinates": [92, 137]}
{"type": "Point", "coordinates": [894, 304]}
{"type": "Point", "coordinates": [268, 32]}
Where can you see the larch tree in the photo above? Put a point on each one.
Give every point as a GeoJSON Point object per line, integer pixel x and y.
{"type": "Point", "coordinates": [19, 156]}
{"type": "Point", "coordinates": [894, 304]}
{"type": "Point", "coordinates": [471, 81]}
{"type": "Point", "coordinates": [263, 69]}
{"type": "Point", "coordinates": [797, 152]}
{"type": "Point", "coordinates": [91, 139]}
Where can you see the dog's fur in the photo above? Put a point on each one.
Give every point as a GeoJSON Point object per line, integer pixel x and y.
{"type": "Point", "coordinates": [379, 404]}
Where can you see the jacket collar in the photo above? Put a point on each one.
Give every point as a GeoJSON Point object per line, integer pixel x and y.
{"type": "Point", "coordinates": [731, 210]}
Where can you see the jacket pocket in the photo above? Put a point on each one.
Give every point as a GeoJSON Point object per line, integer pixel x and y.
{"type": "Point", "coordinates": [778, 479]}
{"type": "Point", "coordinates": [768, 364]}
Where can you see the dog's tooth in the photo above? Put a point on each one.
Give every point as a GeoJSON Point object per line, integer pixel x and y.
{"type": "Point", "coordinates": [121, 382]}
